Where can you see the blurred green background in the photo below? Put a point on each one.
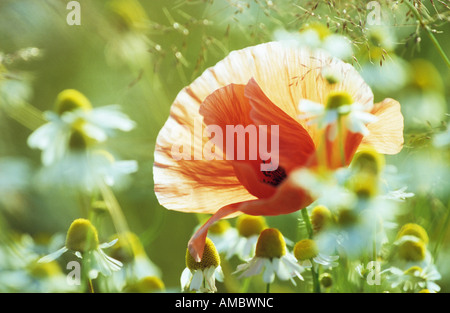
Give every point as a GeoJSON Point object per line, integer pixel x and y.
{"type": "Point", "coordinates": [141, 54]}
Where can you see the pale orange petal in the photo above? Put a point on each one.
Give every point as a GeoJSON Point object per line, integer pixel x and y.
{"type": "Point", "coordinates": [200, 186]}
{"type": "Point", "coordinates": [386, 134]}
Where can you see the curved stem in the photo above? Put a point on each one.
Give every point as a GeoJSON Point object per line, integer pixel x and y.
{"type": "Point", "coordinates": [429, 33]}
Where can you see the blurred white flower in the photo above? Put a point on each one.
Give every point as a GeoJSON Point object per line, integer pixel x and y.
{"type": "Point", "coordinates": [414, 279]}
{"type": "Point", "coordinates": [20, 271]}
{"type": "Point", "coordinates": [70, 143]}
{"type": "Point", "coordinates": [442, 139]}
{"type": "Point", "coordinates": [136, 263]}
{"type": "Point", "coordinates": [355, 116]}
{"type": "Point", "coordinates": [87, 170]}
{"type": "Point", "coordinates": [306, 250]}
{"type": "Point", "coordinates": [327, 187]}
{"type": "Point", "coordinates": [82, 240]}
{"type": "Point", "coordinates": [318, 36]}
{"type": "Point", "coordinates": [53, 138]}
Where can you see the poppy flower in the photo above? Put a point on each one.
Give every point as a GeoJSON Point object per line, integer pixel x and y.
{"type": "Point", "coordinates": [261, 86]}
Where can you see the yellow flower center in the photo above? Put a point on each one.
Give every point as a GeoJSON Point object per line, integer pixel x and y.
{"type": "Point", "coordinates": [248, 225]}
{"type": "Point", "coordinates": [364, 184]}
{"type": "Point", "coordinates": [337, 99]}
{"type": "Point", "coordinates": [270, 244]}
{"type": "Point", "coordinates": [127, 14]}
{"type": "Point", "coordinates": [106, 155]}
{"type": "Point", "coordinates": [410, 250]}
{"type": "Point", "coordinates": [413, 270]}
{"type": "Point", "coordinates": [219, 227]}
{"type": "Point", "coordinates": [127, 247]}
{"type": "Point", "coordinates": [45, 270]}
{"type": "Point", "coordinates": [347, 217]}
{"type": "Point", "coordinates": [367, 159]}
{"type": "Point", "coordinates": [412, 229]}
{"type": "Point", "coordinates": [305, 249]}
{"type": "Point", "coordinates": [70, 100]}
{"type": "Point", "coordinates": [320, 217]}
{"type": "Point", "coordinates": [82, 236]}
{"type": "Point", "coordinates": [146, 284]}
{"type": "Point", "coordinates": [210, 257]}
{"type": "Point", "coordinates": [321, 30]}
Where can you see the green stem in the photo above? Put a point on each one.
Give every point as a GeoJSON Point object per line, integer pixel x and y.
{"type": "Point", "coordinates": [442, 233]}
{"type": "Point", "coordinates": [305, 217]}
{"type": "Point", "coordinates": [268, 288]}
{"type": "Point", "coordinates": [90, 286]}
{"type": "Point", "coordinates": [245, 285]}
{"type": "Point", "coordinates": [341, 140]}
{"type": "Point", "coordinates": [429, 33]}
{"type": "Point", "coordinates": [315, 275]}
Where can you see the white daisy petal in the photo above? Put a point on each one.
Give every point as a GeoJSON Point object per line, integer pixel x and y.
{"type": "Point", "coordinates": [281, 269]}
{"type": "Point", "coordinates": [269, 272]}
{"type": "Point", "coordinates": [197, 280]}
{"type": "Point", "coordinates": [108, 244]}
{"type": "Point", "coordinates": [186, 277]}
{"type": "Point", "coordinates": [53, 256]}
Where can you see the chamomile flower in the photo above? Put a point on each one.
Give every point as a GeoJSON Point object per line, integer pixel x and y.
{"type": "Point", "coordinates": [248, 227]}
{"type": "Point", "coordinates": [321, 218]}
{"type": "Point", "coordinates": [146, 285]}
{"type": "Point", "coordinates": [414, 279]}
{"type": "Point", "coordinates": [201, 276]}
{"type": "Point", "coordinates": [410, 248]}
{"type": "Point", "coordinates": [224, 237]}
{"type": "Point", "coordinates": [318, 36]}
{"type": "Point", "coordinates": [136, 264]}
{"type": "Point", "coordinates": [82, 239]}
{"type": "Point", "coordinates": [327, 187]}
{"type": "Point", "coordinates": [271, 256]}
{"type": "Point", "coordinates": [85, 168]}
{"type": "Point", "coordinates": [306, 252]}
{"type": "Point", "coordinates": [339, 105]}
{"type": "Point", "coordinates": [74, 111]}
{"type": "Point", "coordinates": [21, 273]}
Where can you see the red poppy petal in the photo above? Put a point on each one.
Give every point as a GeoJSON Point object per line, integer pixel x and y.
{"type": "Point", "coordinates": [295, 145]}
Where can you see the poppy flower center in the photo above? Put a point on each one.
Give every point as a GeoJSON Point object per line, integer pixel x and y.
{"type": "Point", "coordinates": [275, 177]}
